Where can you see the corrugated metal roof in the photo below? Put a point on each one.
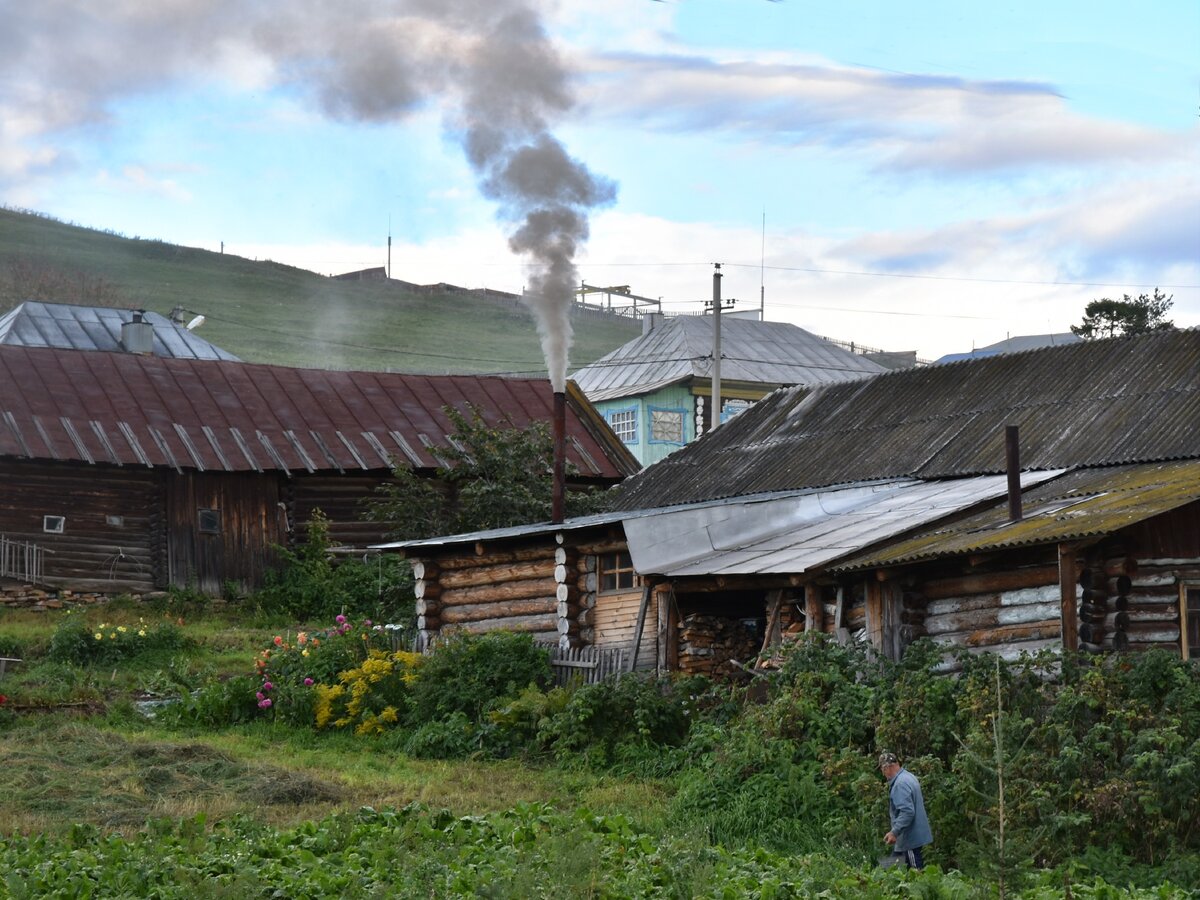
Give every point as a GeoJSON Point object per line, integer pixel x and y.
{"type": "Point", "coordinates": [791, 535]}
{"type": "Point", "coordinates": [767, 353]}
{"type": "Point", "coordinates": [214, 415]}
{"type": "Point", "coordinates": [66, 327]}
{"type": "Point", "coordinates": [1089, 404]}
{"type": "Point", "coordinates": [1082, 504]}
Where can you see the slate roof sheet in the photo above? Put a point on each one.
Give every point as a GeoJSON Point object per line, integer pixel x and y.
{"type": "Point", "coordinates": [1079, 505]}
{"type": "Point", "coordinates": [1095, 403]}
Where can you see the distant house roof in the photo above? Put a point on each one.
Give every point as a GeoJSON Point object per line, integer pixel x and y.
{"type": "Point", "coordinates": [65, 327]}
{"type": "Point", "coordinates": [1017, 344]}
{"type": "Point", "coordinates": [1093, 403]}
{"type": "Point", "coordinates": [128, 409]}
{"type": "Point", "coordinates": [680, 348]}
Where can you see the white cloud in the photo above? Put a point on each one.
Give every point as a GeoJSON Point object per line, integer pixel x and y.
{"type": "Point", "coordinates": [907, 121]}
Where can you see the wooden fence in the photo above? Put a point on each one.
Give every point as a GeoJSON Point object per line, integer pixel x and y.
{"type": "Point", "coordinates": [21, 560]}
{"type": "Point", "coordinates": [591, 665]}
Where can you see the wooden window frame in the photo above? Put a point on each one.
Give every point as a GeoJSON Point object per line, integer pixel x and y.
{"type": "Point", "coordinates": [1185, 588]}
{"type": "Point", "coordinates": [611, 564]}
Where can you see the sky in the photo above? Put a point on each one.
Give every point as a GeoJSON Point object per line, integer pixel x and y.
{"type": "Point", "coordinates": [931, 176]}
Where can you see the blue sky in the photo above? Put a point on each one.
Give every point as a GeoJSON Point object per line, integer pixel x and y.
{"type": "Point", "coordinates": [933, 176]}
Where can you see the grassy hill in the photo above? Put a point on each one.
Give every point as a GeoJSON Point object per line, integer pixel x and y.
{"type": "Point", "coordinates": [272, 313]}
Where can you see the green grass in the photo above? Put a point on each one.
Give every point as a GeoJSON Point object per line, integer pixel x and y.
{"type": "Point", "coordinates": [267, 312]}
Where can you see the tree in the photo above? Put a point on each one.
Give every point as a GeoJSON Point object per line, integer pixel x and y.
{"type": "Point", "coordinates": [1109, 318]}
{"type": "Point", "coordinates": [488, 478]}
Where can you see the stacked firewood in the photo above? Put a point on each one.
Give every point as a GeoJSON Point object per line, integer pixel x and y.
{"type": "Point", "coordinates": [709, 645]}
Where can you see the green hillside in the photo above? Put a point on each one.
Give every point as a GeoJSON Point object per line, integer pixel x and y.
{"type": "Point", "coordinates": [272, 313]}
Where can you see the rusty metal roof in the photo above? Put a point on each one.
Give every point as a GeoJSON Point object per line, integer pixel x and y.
{"type": "Point", "coordinates": [67, 327]}
{"type": "Point", "coordinates": [1089, 404]}
{"type": "Point", "coordinates": [1082, 504]}
{"type": "Point", "coordinates": [126, 409]}
{"type": "Point", "coordinates": [763, 353]}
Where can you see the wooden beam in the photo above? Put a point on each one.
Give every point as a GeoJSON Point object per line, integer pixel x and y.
{"type": "Point", "coordinates": [814, 609]}
{"type": "Point", "coordinates": [1067, 578]}
{"type": "Point", "coordinates": [647, 590]}
{"type": "Point", "coordinates": [1035, 576]}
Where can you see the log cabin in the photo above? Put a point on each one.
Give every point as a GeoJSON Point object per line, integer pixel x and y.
{"type": "Point", "coordinates": [1043, 499]}
{"type": "Point", "coordinates": [126, 472]}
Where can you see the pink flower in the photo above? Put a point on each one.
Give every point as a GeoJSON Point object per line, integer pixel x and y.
{"type": "Point", "coordinates": [278, 641]}
{"type": "Point", "coordinates": [264, 704]}
{"type": "Point", "coordinates": [267, 686]}
{"type": "Point", "coordinates": [260, 696]}
{"type": "Point", "coordinates": [367, 623]}
{"type": "Point", "coordinates": [340, 619]}
{"type": "Point", "coordinates": [308, 682]}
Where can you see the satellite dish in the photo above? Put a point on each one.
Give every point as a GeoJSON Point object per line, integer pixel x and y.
{"type": "Point", "coordinates": [195, 323]}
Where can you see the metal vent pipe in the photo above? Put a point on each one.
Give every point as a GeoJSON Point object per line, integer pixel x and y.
{"type": "Point", "coordinates": [1012, 465]}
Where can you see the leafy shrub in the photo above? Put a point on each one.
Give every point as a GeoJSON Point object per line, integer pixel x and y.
{"type": "Point", "coordinates": [628, 718]}
{"type": "Point", "coordinates": [454, 737]}
{"type": "Point", "coordinates": [217, 704]}
{"type": "Point", "coordinates": [308, 585]}
{"type": "Point", "coordinates": [470, 674]}
{"type": "Point", "coordinates": [75, 642]}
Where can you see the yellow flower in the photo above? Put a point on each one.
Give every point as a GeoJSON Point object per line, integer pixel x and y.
{"type": "Point", "coordinates": [121, 628]}
{"type": "Point", "coordinates": [304, 652]}
{"type": "Point", "coordinates": [112, 635]}
{"type": "Point", "coordinates": [98, 636]}
{"type": "Point", "coordinates": [141, 632]}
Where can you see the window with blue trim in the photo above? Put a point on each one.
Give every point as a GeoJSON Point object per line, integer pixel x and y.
{"type": "Point", "coordinates": [731, 408]}
{"type": "Point", "coordinates": [624, 423]}
{"type": "Point", "coordinates": [666, 425]}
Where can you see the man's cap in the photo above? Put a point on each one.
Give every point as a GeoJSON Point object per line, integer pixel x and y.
{"type": "Point", "coordinates": [887, 758]}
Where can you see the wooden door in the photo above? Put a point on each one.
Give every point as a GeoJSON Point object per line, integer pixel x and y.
{"type": "Point", "coordinates": [222, 527]}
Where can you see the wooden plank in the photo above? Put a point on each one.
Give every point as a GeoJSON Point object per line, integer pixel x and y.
{"type": "Point", "coordinates": [641, 624]}
{"type": "Point", "coordinates": [814, 609]}
{"type": "Point", "coordinates": [1067, 579]}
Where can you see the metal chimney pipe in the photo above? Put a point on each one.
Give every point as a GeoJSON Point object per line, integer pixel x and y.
{"type": "Point", "coordinates": [558, 504]}
{"type": "Point", "coordinates": [1012, 465]}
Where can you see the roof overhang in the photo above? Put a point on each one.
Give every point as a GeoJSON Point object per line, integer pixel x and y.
{"type": "Point", "coordinates": [796, 534]}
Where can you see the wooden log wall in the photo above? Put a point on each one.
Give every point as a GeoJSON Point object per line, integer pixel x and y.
{"type": "Point", "coordinates": [1005, 612]}
{"type": "Point", "coordinates": [341, 498]}
{"type": "Point", "coordinates": [510, 590]}
{"type": "Point", "coordinates": [1151, 606]}
{"type": "Point", "coordinates": [114, 522]}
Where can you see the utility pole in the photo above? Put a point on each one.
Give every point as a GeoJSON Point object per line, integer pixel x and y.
{"type": "Point", "coordinates": [714, 416]}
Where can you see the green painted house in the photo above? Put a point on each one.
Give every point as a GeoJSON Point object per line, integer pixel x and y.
{"type": "Point", "coordinates": [656, 391]}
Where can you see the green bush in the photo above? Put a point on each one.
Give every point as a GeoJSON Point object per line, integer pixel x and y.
{"type": "Point", "coordinates": [454, 737]}
{"type": "Point", "coordinates": [310, 586]}
{"type": "Point", "coordinates": [217, 704]}
{"type": "Point", "coordinates": [471, 674]}
{"type": "Point", "coordinates": [620, 720]}
{"type": "Point", "coordinates": [76, 642]}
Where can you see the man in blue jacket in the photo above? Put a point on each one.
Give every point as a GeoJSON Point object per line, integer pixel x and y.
{"type": "Point", "coordinates": [910, 825]}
